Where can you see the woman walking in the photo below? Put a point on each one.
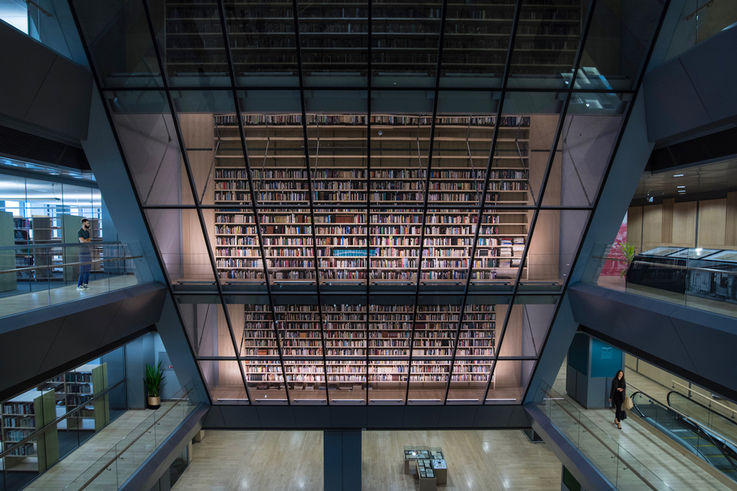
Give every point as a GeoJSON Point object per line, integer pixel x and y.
{"type": "Point", "coordinates": [616, 398]}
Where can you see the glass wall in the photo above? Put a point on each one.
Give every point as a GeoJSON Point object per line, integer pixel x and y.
{"type": "Point", "coordinates": [427, 150]}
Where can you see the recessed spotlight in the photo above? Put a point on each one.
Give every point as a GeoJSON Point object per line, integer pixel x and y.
{"type": "Point", "coordinates": [677, 175]}
{"type": "Point", "coordinates": [681, 186]}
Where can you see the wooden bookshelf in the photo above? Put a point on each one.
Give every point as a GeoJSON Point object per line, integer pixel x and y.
{"type": "Point", "coordinates": [78, 388]}
{"type": "Point", "coordinates": [340, 179]}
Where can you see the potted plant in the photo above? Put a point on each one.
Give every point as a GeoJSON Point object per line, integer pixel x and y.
{"type": "Point", "coordinates": [628, 250]}
{"type": "Point", "coordinates": [153, 379]}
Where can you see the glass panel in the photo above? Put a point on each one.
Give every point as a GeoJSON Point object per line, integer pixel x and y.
{"type": "Point", "coordinates": [237, 252]}
{"type": "Point", "coordinates": [395, 245]}
{"type": "Point", "coordinates": [432, 347]}
{"type": "Point", "coordinates": [262, 42]}
{"type": "Point", "coordinates": [273, 126]}
{"type": "Point", "coordinates": [618, 39]}
{"type": "Point", "coordinates": [178, 236]}
{"type": "Point", "coordinates": [463, 135]}
{"type": "Point", "coordinates": [400, 143]}
{"type": "Point", "coordinates": [196, 114]}
{"type": "Point", "coordinates": [337, 148]}
{"type": "Point", "coordinates": [553, 247]}
{"type": "Point", "coordinates": [449, 236]}
{"type": "Point", "coordinates": [334, 43]}
{"type": "Point", "coordinates": [224, 381]}
{"type": "Point", "coordinates": [545, 47]}
{"type": "Point", "coordinates": [207, 329]}
{"type": "Point", "coordinates": [501, 243]}
{"type": "Point", "coordinates": [257, 337]}
{"type": "Point", "coordinates": [390, 328]}
{"type": "Point", "coordinates": [345, 345]}
{"type": "Point", "coordinates": [119, 42]}
{"type": "Point", "coordinates": [405, 43]}
{"type": "Point", "coordinates": [287, 235]}
{"type": "Point", "coordinates": [509, 381]}
{"type": "Point", "coordinates": [265, 380]}
{"type": "Point", "coordinates": [528, 324]}
{"type": "Point", "coordinates": [475, 353]}
{"type": "Point", "coordinates": [301, 340]}
{"type": "Point", "coordinates": [341, 245]}
{"type": "Point", "coordinates": [190, 38]}
{"type": "Point", "coordinates": [589, 136]}
{"type": "Point", "coordinates": [144, 125]}
{"type": "Point", "coordinates": [477, 36]}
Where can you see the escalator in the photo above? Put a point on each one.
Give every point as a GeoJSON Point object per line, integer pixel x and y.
{"type": "Point", "coordinates": [687, 431]}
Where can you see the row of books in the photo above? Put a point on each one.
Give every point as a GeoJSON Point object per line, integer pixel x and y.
{"type": "Point", "coordinates": [352, 174]}
{"type": "Point", "coordinates": [376, 119]}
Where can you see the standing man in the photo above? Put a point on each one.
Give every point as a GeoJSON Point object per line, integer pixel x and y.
{"type": "Point", "coordinates": [84, 255]}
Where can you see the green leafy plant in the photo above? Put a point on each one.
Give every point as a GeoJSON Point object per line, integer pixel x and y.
{"type": "Point", "coordinates": [153, 379]}
{"type": "Point", "coordinates": [629, 254]}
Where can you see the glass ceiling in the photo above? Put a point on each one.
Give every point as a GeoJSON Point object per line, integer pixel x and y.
{"type": "Point", "coordinates": [381, 206]}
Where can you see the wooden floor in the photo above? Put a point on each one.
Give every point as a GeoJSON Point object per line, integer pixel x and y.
{"type": "Point", "coordinates": [23, 302]}
{"type": "Point", "coordinates": [292, 460]}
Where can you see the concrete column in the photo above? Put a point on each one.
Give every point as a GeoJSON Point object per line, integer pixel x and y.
{"type": "Point", "coordinates": [591, 365]}
{"type": "Point", "coordinates": [342, 459]}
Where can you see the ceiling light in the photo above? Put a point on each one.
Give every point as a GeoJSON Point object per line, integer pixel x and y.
{"type": "Point", "coordinates": [677, 175]}
{"type": "Point", "coordinates": [681, 186]}
{"type": "Point", "coordinates": [681, 190]}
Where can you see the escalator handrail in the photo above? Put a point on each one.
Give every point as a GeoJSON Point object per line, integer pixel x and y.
{"type": "Point", "coordinates": [714, 440]}
{"type": "Point", "coordinates": [704, 426]}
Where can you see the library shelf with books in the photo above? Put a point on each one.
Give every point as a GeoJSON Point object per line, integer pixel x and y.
{"type": "Point", "coordinates": [22, 416]}
{"type": "Point", "coordinates": [339, 179]}
{"type": "Point", "coordinates": [77, 390]}
{"type": "Point", "coordinates": [333, 38]}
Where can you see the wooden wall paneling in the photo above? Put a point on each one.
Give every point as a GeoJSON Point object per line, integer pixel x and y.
{"type": "Point", "coordinates": [652, 227]}
{"type": "Point", "coordinates": [712, 223]}
{"type": "Point", "coordinates": [730, 239]}
{"type": "Point", "coordinates": [666, 228]}
{"type": "Point", "coordinates": [634, 227]}
{"type": "Point", "coordinates": [684, 224]}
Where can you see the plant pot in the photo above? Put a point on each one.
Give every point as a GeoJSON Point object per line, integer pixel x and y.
{"type": "Point", "coordinates": [154, 402]}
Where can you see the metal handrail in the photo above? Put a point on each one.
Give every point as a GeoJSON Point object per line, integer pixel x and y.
{"type": "Point", "coordinates": [733, 412]}
{"type": "Point", "coordinates": [89, 481]}
{"type": "Point", "coordinates": [62, 265]}
{"type": "Point", "coordinates": [668, 266]}
{"type": "Point", "coordinates": [48, 426]}
{"type": "Point", "coordinates": [50, 245]}
{"type": "Point", "coordinates": [596, 436]}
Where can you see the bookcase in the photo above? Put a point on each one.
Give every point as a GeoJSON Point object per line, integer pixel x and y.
{"type": "Point", "coordinates": [340, 178]}
{"type": "Point", "coordinates": [46, 231]}
{"type": "Point", "coordinates": [8, 258]}
{"type": "Point", "coordinates": [21, 416]}
{"type": "Point", "coordinates": [75, 388]}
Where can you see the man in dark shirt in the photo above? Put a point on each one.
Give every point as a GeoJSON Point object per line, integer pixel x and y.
{"type": "Point", "coordinates": [84, 255]}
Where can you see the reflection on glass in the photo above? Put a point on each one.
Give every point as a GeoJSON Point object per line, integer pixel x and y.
{"type": "Point", "coordinates": [527, 326]}
{"type": "Point", "coordinates": [590, 132]}
{"type": "Point", "coordinates": [146, 130]}
{"type": "Point", "coordinates": [548, 35]}
{"type": "Point", "coordinates": [224, 381]}
{"type": "Point", "coordinates": [617, 43]}
{"type": "Point", "coordinates": [178, 235]}
{"type": "Point", "coordinates": [553, 247]}
{"type": "Point", "coordinates": [207, 328]}
{"type": "Point", "coordinates": [476, 39]}
{"type": "Point", "coordinates": [119, 41]}
{"type": "Point", "coordinates": [509, 381]}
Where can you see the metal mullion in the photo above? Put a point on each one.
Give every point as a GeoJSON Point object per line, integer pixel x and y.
{"type": "Point", "coordinates": [399, 88]}
{"type": "Point", "coordinates": [368, 192]}
{"type": "Point", "coordinates": [638, 85]}
{"type": "Point", "coordinates": [309, 190]}
{"type": "Point", "coordinates": [543, 186]}
{"type": "Point", "coordinates": [123, 158]}
{"type": "Point", "coordinates": [489, 165]}
{"type": "Point", "coordinates": [426, 194]}
{"type": "Point", "coordinates": [254, 209]}
{"type": "Point", "coordinates": [190, 179]}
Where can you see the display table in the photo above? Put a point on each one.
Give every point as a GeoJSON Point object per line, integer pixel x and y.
{"type": "Point", "coordinates": [441, 470]}
{"type": "Point", "coordinates": [426, 475]}
{"type": "Point", "coordinates": [411, 454]}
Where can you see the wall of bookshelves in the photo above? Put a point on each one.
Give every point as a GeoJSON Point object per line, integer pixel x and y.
{"type": "Point", "coordinates": [339, 179]}
{"type": "Point", "coordinates": [21, 416]}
